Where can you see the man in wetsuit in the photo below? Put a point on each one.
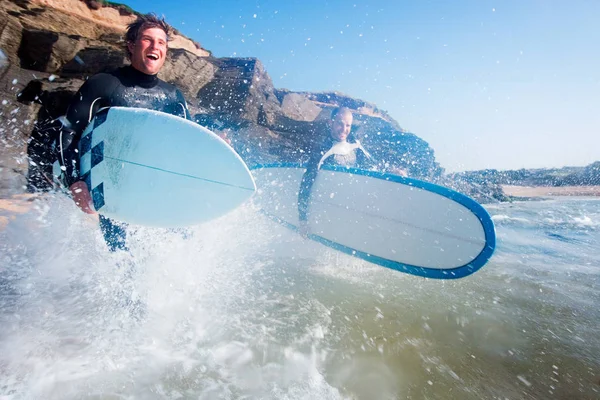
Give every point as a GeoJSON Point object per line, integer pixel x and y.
{"type": "Point", "coordinates": [135, 85]}
{"type": "Point", "coordinates": [338, 148]}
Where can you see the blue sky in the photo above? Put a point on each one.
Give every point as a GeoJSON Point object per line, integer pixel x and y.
{"type": "Point", "coordinates": [489, 84]}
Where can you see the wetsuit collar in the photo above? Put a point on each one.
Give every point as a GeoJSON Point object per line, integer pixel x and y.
{"type": "Point", "coordinates": [340, 148]}
{"type": "Point", "coordinates": [141, 79]}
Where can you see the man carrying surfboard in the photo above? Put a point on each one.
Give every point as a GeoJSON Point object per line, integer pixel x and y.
{"type": "Point", "coordinates": [338, 148]}
{"type": "Point", "coordinates": [136, 85]}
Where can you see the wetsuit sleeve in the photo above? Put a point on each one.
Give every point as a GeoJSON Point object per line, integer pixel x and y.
{"type": "Point", "coordinates": [92, 95]}
{"type": "Point", "coordinates": [308, 180]}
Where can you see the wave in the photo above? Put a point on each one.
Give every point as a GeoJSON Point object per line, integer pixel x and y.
{"type": "Point", "coordinates": [500, 218]}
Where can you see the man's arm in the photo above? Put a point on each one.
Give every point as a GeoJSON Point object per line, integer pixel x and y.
{"type": "Point", "coordinates": [308, 180]}
{"type": "Point", "coordinates": [92, 95]}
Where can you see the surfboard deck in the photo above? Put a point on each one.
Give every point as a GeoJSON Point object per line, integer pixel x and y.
{"type": "Point", "coordinates": [404, 224]}
{"type": "Point", "coordinates": [151, 168]}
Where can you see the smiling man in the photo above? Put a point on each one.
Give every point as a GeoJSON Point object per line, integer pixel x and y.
{"type": "Point", "coordinates": [135, 85]}
{"type": "Point", "coordinates": [338, 147]}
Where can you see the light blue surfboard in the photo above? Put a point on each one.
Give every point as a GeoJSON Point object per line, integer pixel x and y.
{"type": "Point", "coordinates": [404, 224]}
{"type": "Point", "coordinates": [150, 168]}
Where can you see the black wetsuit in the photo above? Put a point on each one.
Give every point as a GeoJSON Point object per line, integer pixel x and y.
{"type": "Point", "coordinates": [124, 87]}
{"type": "Point", "coordinates": [319, 156]}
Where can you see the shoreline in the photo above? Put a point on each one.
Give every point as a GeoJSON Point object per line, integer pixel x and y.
{"type": "Point", "coordinates": [20, 204]}
{"type": "Point", "coordinates": [548, 191]}
{"type": "Point", "coordinates": [13, 206]}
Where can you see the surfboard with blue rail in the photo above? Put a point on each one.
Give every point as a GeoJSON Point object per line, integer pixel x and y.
{"type": "Point", "coordinates": [400, 223]}
{"type": "Point", "coordinates": [150, 168]}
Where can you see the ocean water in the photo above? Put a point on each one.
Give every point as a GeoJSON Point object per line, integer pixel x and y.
{"type": "Point", "coordinates": [242, 308]}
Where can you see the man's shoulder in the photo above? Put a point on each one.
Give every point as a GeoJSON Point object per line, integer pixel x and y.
{"type": "Point", "coordinates": [320, 145]}
{"type": "Point", "coordinates": [105, 76]}
{"type": "Point", "coordinates": [326, 143]}
{"type": "Point", "coordinates": [168, 86]}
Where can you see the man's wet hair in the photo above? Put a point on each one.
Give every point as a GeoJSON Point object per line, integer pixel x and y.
{"type": "Point", "coordinates": [143, 22]}
{"type": "Point", "coordinates": [340, 110]}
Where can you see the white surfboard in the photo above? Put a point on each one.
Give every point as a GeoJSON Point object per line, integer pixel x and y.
{"type": "Point", "coordinates": [155, 169]}
{"type": "Point", "coordinates": [400, 223]}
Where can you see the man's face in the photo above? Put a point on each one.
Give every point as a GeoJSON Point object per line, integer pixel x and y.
{"type": "Point", "coordinates": [340, 126]}
{"type": "Point", "coordinates": [149, 51]}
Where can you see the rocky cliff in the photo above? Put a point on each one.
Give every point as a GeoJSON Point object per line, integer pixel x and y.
{"type": "Point", "coordinates": [49, 47]}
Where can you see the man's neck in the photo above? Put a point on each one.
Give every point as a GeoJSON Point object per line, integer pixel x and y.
{"type": "Point", "coordinates": [140, 77]}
